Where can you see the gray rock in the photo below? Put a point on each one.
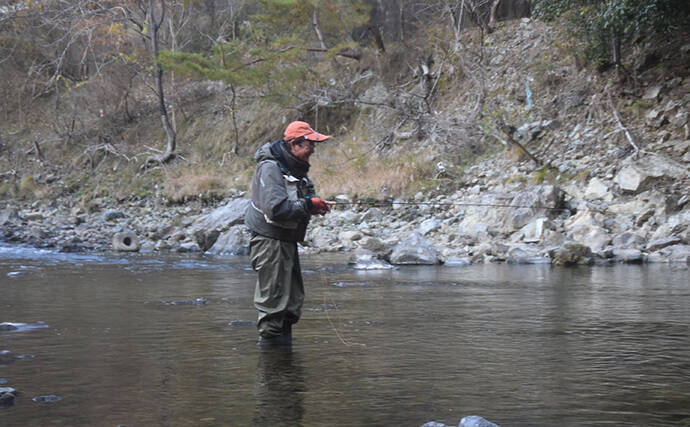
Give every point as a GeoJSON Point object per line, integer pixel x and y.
{"type": "Point", "coordinates": [629, 256]}
{"type": "Point", "coordinates": [598, 190]}
{"type": "Point", "coordinates": [429, 225]}
{"type": "Point", "coordinates": [112, 214]}
{"type": "Point", "coordinates": [8, 396]}
{"type": "Point", "coordinates": [652, 92]}
{"type": "Point", "coordinates": [628, 239]}
{"type": "Point", "coordinates": [372, 244]}
{"type": "Point", "coordinates": [8, 215]}
{"type": "Point", "coordinates": [534, 199]}
{"type": "Point", "coordinates": [50, 398]}
{"type": "Point", "coordinates": [639, 175]}
{"type": "Point", "coordinates": [534, 231]}
{"type": "Point", "coordinates": [572, 254]}
{"type": "Point", "coordinates": [349, 236]}
{"type": "Point", "coordinates": [206, 238]}
{"type": "Point", "coordinates": [187, 247]}
{"type": "Point", "coordinates": [585, 228]}
{"type": "Point", "coordinates": [365, 260]}
{"type": "Point", "coordinates": [207, 228]}
{"type": "Point", "coordinates": [433, 424]}
{"type": "Point", "coordinates": [675, 253]}
{"type": "Point", "coordinates": [231, 242]}
{"type": "Point", "coordinates": [6, 356]}
{"type": "Point", "coordinates": [524, 254]}
{"type": "Point", "coordinates": [415, 249]}
{"type": "Point", "coordinates": [475, 421]}
{"type": "Point", "coordinates": [456, 261]}
{"type": "Point", "coordinates": [663, 242]}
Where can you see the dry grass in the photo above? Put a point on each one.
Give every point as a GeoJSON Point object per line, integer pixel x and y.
{"type": "Point", "coordinates": [354, 170]}
{"type": "Point", "coordinates": [188, 185]}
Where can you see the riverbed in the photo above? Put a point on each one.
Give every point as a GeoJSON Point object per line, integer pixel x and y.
{"type": "Point", "coordinates": [143, 340]}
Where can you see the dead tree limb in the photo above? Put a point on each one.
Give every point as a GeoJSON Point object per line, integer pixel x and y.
{"type": "Point", "coordinates": [509, 131]}
{"type": "Point", "coordinates": [622, 127]}
{"type": "Point", "coordinates": [352, 53]}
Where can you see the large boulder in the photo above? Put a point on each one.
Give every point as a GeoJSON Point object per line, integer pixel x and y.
{"type": "Point", "coordinates": [598, 190]}
{"type": "Point", "coordinates": [641, 174]}
{"type": "Point", "coordinates": [629, 239]}
{"type": "Point", "coordinates": [532, 202]}
{"type": "Point", "coordinates": [415, 249]}
{"type": "Point", "coordinates": [585, 228]}
{"type": "Point", "coordinates": [207, 228]}
{"type": "Point", "coordinates": [572, 254]}
{"type": "Point", "coordinates": [231, 242]}
{"type": "Point", "coordinates": [526, 254]}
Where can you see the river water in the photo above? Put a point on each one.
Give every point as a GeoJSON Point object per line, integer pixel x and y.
{"type": "Point", "coordinates": [144, 340]}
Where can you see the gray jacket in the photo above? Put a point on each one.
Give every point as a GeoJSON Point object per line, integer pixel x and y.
{"type": "Point", "coordinates": [280, 188]}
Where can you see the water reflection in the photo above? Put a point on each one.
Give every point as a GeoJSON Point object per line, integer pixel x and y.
{"type": "Point", "coordinates": [279, 388]}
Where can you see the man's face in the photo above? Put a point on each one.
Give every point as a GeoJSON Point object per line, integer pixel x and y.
{"type": "Point", "coordinates": [302, 150]}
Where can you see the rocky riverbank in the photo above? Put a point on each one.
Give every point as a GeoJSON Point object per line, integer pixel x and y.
{"type": "Point", "coordinates": [627, 215]}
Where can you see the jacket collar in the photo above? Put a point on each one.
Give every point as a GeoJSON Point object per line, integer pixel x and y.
{"type": "Point", "coordinates": [281, 152]}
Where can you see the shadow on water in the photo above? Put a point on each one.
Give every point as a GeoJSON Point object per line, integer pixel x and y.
{"type": "Point", "coordinates": [146, 339]}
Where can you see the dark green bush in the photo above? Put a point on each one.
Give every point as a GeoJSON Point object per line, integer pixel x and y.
{"type": "Point", "coordinates": [605, 25]}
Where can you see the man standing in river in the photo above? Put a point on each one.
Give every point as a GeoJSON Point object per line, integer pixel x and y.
{"type": "Point", "coordinates": [283, 201]}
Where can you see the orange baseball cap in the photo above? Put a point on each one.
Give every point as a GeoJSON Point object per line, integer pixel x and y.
{"type": "Point", "coordinates": [302, 130]}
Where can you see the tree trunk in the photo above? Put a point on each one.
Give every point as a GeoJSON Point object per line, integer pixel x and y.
{"type": "Point", "coordinates": [315, 23]}
{"type": "Point", "coordinates": [377, 38]}
{"type": "Point", "coordinates": [494, 10]}
{"type": "Point", "coordinates": [155, 25]}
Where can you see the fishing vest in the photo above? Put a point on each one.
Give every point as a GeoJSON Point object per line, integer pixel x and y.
{"type": "Point", "coordinates": [287, 230]}
{"type": "Point", "coordinates": [293, 191]}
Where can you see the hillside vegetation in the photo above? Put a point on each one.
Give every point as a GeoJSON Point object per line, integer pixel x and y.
{"type": "Point", "coordinates": [410, 111]}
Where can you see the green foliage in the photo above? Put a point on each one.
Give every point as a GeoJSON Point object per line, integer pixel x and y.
{"type": "Point", "coordinates": [605, 23]}
{"type": "Point", "coordinates": [272, 55]}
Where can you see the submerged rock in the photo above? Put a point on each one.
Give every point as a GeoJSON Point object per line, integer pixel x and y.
{"type": "Point", "coordinates": [197, 301]}
{"type": "Point", "coordinates": [242, 323]}
{"type": "Point", "coordinates": [12, 326]}
{"type": "Point", "coordinates": [475, 421]}
{"type": "Point", "coordinates": [365, 260]}
{"type": "Point", "coordinates": [6, 356]}
{"type": "Point", "coordinates": [8, 396]}
{"type": "Point", "coordinates": [49, 398]}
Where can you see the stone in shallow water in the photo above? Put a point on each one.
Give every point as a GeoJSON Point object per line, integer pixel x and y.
{"type": "Point", "coordinates": [49, 398]}
{"type": "Point", "coordinates": [16, 274]}
{"type": "Point", "coordinates": [7, 396]}
{"type": "Point", "coordinates": [242, 323]}
{"type": "Point", "coordinates": [197, 301]}
{"type": "Point", "coordinates": [475, 421]}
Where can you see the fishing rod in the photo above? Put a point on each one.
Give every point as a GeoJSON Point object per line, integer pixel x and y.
{"type": "Point", "coordinates": [495, 205]}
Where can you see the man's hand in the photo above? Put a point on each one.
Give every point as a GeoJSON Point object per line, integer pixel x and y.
{"type": "Point", "coordinates": [320, 206]}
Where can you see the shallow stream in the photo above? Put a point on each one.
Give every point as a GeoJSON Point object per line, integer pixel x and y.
{"type": "Point", "coordinates": [143, 340]}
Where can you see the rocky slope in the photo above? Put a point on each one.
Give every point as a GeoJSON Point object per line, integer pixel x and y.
{"type": "Point", "coordinates": [612, 184]}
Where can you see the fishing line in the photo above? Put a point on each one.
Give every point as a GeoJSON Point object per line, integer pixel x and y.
{"type": "Point", "coordinates": [324, 284]}
{"type": "Point", "coordinates": [495, 205]}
